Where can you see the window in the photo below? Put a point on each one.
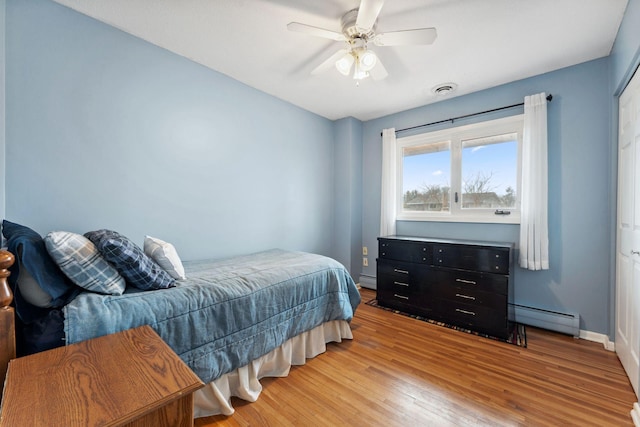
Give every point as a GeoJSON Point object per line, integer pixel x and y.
{"type": "Point", "coordinates": [425, 182]}
{"type": "Point", "coordinates": [468, 174]}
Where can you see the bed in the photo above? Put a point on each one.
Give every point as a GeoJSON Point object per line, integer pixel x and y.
{"type": "Point", "coordinates": [232, 321]}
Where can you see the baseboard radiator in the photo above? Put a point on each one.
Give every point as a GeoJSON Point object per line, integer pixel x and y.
{"type": "Point", "coordinates": [566, 323]}
{"type": "Point", "coordinates": [368, 281]}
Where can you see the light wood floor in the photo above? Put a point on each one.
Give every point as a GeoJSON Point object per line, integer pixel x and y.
{"type": "Point", "coordinates": [399, 371]}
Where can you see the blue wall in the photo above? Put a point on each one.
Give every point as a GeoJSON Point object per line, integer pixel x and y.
{"type": "Point", "coordinates": [579, 196]}
{"type": "Point", "coordinates": [106, 130]}
{"type": "Point", "coordinates": [347, 228]}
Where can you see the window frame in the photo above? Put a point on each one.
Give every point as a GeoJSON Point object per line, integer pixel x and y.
{"type": "Point", "coordinates": [455, 136]}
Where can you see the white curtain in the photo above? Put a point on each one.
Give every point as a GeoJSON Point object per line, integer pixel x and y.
{"type": "Point", "coordinates": [388, 196]}
{"type": "Point", "coordinates": [534, 230]}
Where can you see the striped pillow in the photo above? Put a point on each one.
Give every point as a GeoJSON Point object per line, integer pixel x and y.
{"type": "Point", "coordinates": [80, 260]}
{"type": "Point", "coordinates": [131, 262]}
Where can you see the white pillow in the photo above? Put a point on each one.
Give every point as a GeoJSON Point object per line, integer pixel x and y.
{"type": "Point", "coordinates": [165, 255]}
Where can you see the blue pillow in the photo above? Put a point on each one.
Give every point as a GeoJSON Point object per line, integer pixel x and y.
{"type": "Point", "coordinates": [31, 253]}
{"type": "Point", "coordinates": [131, 262]}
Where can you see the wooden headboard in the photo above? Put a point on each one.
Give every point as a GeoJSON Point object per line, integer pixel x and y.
{"type": "Point", "coordinates": [7, 315]}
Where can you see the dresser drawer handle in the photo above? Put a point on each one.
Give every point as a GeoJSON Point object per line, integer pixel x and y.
{"type": "Point", "coordinates": [400, 284]}
{"type": "Point", "coordinates": [466, 297]}
{"type": "Point", "coordinates": [469, 282]}
{"type": "Point", "coordinates": [471, 313]}
{"type": "Point", "coordinates": [395, 270]}
{"type": "Point", "coordinates": [400, 296]}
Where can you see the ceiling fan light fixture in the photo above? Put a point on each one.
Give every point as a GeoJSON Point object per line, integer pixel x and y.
{"type": "Point", "coordinates": [344, 64]}
{"type": "Point", "coordinates": [367, 60]}
{"type": "Point", "coordinates": [359, 73]}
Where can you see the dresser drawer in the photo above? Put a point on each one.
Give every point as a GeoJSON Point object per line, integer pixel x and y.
{"type": "Point", "coordinates": [468, 281]}
{"type": "Point", "coordinates": [412, 303]}
{"type": "Point", "coordinates": [490, 260]}
{"type": "Point", "coordinates": [401, 278]}
{"type": "Point", "coordinates": [403, 286]}
{"type": "Point", "coordinates": [473, 297]}
{"type": "Point", "coordinates": [405, 251]}
{"type": "Point", "coordinates": [403, 290]}
{"type": "Point", "coordinates": [400, 300]}
{"type": "Point", "coordinates": [396, 270]}
{"type": "Point", "coordinates": [478, 318]}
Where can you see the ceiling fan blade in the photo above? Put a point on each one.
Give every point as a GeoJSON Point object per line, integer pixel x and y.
{"type": "Point", "coordinates": [328, 63]}
{"type": "Point", "coordinates": [368, 13]}
{"type": "Point", "coordinates": [315, 31]}
{"type": "Point", "coordinates": [406, 37]}
{"type": "Point", "coordinates": [378, 72]}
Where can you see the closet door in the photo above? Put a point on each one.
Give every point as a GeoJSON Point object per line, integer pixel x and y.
{"type": "Point", "coordinates": [628, 232]}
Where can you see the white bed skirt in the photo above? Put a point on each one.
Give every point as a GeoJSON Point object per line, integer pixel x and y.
{"type": "Point", "coordinates": [244, 382]}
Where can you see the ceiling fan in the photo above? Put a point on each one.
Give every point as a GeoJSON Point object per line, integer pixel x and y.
{"type": "Point", "coordinates": [358, 31]}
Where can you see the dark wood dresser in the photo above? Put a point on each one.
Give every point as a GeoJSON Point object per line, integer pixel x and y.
{"type": "Point", "coordinates": [463, 283]}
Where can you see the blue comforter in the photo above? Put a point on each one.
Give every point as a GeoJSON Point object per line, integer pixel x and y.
{"type": "Point", "coordinates": [226, 313]}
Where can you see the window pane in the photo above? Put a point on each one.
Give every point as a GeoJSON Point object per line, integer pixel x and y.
{"type": "Point", "coordinates": [426, 177]}
{"type": "Point", "coordinates": [489, 172]}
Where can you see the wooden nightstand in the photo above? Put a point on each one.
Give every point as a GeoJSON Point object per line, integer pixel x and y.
{"type": "Point", "coordinates": [129, 378]}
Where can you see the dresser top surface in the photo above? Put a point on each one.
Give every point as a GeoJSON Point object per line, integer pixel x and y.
{"type": "Point", "coordinates": [506, 245]}
{"type": "Point", "coordinates": [109, 380]}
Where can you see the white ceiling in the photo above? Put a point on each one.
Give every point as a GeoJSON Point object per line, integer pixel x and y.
{"type": "Point", "coordinates": [480, 44]}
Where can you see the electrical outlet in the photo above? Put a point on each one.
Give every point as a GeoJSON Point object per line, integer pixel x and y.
{"type": "Point", "coordinates": [365, 251]}
{"type": "Point", "coordinates": [365, 261]}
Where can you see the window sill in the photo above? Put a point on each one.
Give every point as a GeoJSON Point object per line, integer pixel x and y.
{"type": "Point", "coordinates": [513, 218]}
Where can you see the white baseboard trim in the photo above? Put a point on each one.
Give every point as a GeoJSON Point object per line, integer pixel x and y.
{"type": "Point", "coordinates": [635, 414]}
{"type": "Point", "coordinates": [597, 337]}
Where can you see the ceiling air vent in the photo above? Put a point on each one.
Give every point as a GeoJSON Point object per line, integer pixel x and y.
{"type": "Point", "coordinates": [444, 89]}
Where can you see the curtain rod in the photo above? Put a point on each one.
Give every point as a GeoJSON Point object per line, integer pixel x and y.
{"type": "Point", "coordinates": [549, 98]}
